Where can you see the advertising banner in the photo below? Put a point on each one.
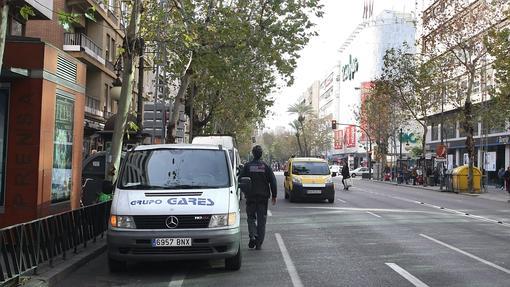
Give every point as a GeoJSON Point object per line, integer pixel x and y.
{"type": "Point", "coordinates": [350, 134]}
{"type": "Point", "coordinates": [338, 136]}
{"type": "Point", "coordinates": [61, 179]}
{"type": "Point", "coordinates": [490, 161]}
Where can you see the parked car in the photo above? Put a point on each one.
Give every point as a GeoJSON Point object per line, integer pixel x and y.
{"type": "Point", "coordinates": [308, 178]}
{"type": "Point", "coordinates": [359, 171]}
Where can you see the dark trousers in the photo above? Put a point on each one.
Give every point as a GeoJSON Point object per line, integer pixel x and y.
{"type": "Point", "coordinates": [256, 211]}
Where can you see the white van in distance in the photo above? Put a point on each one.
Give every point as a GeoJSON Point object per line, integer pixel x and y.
{"type": "Point", "coordinates": [175, 202]}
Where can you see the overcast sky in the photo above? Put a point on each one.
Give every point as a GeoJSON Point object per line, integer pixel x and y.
{"type": "Point", "coordinates": [321, 53]}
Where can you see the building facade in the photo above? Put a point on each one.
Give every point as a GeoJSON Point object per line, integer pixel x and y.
{"type": "Point", "coordinates": [492, 143]}
{"type": "Point", "coordinates": [361, 62]}
{"type": "Point", "coordinates": [96, 43]}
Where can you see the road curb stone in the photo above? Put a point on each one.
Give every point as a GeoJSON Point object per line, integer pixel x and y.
{"type": "Point", "coordinates": [50, 276]}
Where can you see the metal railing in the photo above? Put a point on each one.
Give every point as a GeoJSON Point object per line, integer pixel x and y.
{"type": "Point", "coordinates": [25, 246]}
{"type": "Point", "coordinates": [79, 39]}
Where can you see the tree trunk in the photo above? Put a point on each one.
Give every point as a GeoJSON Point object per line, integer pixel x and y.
{"type": "Point", "coordinates": [3, 30]}
{"type": "Point", "coordinates": [423, 151]}
{"type": "Point", "coordinates": [304, 138]}
{"type": "Point", "coordinates": [299, 144]}
{"type": "Point", "coordinates": [468, 127]}
{"type": "Point", "coordinates": [126, 93]}
{"type": "Point", "coordinates": [171, 136]}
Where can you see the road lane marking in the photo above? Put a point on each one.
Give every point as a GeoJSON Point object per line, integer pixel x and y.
{"type": "Point", "coordinates": [371, 213]}
{"type": "Point", "coordinates": [415, 281]}
{"type": "Point", "coordinates": [269, 213]}
{"type": "Point", "coordinates": [294, 276]}
{"type": "Point", "coordinates": [448, 210]}
{"type": "Point", "coordinates": [467, 254]}
{"type": "Point", "coordinates": [342, 201]}
{"type": "Point", "coordinates": [177, 280]}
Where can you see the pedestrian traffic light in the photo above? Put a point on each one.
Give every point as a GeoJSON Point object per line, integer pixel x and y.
{"type": "Point", "coordinates": [333, 124]}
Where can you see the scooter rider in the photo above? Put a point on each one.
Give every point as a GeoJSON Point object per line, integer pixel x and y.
{"type": "Point", "coordinates": [263, 186]}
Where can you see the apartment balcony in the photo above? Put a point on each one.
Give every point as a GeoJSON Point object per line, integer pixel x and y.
{"type": "Point", "coordinates": [83, 47]}
{"type": "Point", "coordinates": [41, 8]}
{"type": "Point", "coordinates": [112, 16]}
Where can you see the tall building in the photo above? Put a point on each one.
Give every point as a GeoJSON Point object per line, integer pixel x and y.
{"type": "Point", "coordinates": [361, 62]}
{"type": "Point", "coordinates": [492, 144]}
{"type": "Point", "coordinates": [311, 96]}
{"type": "Point", "coordinates": [97, 45]}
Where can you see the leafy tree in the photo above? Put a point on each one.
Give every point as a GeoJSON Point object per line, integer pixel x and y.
{"type": "Point", "coordinates": [231, 54]}
{"type": "Point", "coordinates": [457, 30]}
{"type": "Point", "coordinates": [498, 41]}
{"type": "Point", "coordinates": [303, 111]}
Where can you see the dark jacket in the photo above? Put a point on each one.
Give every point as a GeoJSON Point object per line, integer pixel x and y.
{"type": "Point", "coordinates": [263, 181]}
{"type": "Point", "coordinates": [345, 171]}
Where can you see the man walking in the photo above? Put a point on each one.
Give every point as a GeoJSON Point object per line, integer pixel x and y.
{"type": "Point", "coordinates": [345, 175]}
{"type": "Point", "coordinates": [263, 184]}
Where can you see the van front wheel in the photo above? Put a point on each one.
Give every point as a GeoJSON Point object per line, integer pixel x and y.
{"type": "Point", "coordinates": [234, 263]}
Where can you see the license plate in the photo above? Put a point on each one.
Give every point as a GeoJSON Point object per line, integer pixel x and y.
{"type": "Point", "coordinates": [171, 242]}
{"type": "Point", "coordinates": [314, 191]}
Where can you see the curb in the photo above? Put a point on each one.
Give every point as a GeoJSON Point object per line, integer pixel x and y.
{"type": "Point", "coordinates": [50, 276]}
{"type": "Point", "coordinates": [430, 189]}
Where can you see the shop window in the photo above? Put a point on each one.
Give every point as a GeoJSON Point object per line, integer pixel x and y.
{"type": "Point", "coordinates": [61, 180]}
{"type": "Point", "coordinates": [4, 96]}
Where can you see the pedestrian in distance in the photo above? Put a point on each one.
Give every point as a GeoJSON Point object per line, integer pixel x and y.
{"type": "Point", "coordinates": [263, 187]}
{"type": "Point", "coordinates": [345, 174]}
{"type": "Point", "coordinates": [507, 179]}
{"type": "Point", "coordinates": [501, 178]}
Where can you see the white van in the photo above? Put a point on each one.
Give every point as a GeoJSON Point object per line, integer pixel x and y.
{"type": "Point", "coordinates": [227, 142]}
{"type": "Point", "coordinates": [175, 202]}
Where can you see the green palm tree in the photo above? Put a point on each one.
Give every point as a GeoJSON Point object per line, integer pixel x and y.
{"type": "Point", "coordinates": [303, 111]}
{"type": "Point", "coordinates": [296, 126]}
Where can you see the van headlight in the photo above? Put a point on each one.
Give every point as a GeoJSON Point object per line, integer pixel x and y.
{"type": "Point", "coordinates": [222, 220]}
{"type": "Point", "coordinates": [296, 180]}
{"type": "Point", "coordinates": [122, 221]}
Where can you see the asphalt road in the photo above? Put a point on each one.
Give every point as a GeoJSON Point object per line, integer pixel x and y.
{"type": "Point", "coordinates": [373, 235]}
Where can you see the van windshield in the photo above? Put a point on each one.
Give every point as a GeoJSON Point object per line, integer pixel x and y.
{"type": "Point", "coordinates": [315, 168]}
{"type": "Point", "coordinates": [175, 169]}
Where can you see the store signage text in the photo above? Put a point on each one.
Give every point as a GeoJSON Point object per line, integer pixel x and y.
{"type": "Point", "coordinates": [350, 69]}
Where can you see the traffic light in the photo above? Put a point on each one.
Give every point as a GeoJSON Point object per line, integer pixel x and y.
{"type": "Point", "coordinates": [333, 124]}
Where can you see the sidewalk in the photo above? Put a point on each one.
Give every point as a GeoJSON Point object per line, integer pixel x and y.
{"type": "Point", "coordinates": [492, 192]}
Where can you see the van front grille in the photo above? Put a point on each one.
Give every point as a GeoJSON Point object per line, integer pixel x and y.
{"type": "Point", "coordinates": [159, 221]}
{"type": "Point", "coordinates": [171, 250]}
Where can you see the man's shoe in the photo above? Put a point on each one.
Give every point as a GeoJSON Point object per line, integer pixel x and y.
{"type": "Point", "coordinates": [252, 243]}
{"type": "Point", "coordinates": [259, 246]}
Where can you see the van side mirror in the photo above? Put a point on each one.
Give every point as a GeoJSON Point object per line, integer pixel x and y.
{"type": "Point", "coordinates": [286, 173]}
{"type": "Point", "coordinates": [245, 184]}
{"type": "Point", "coordinates": [333, 174]}
{"type": "Point", "coordinates": [107, 187]}
{"type": "Point", "coordinates": [239, 168]}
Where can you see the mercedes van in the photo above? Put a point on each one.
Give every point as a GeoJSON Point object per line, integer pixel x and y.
{"type": "Point", "coordinates": [175, 202]}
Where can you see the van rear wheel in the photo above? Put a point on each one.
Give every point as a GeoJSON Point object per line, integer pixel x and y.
{"type": "Point", "coordinates": [234, 263]}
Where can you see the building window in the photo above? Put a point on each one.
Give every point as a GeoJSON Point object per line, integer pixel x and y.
{"type": "Point", "coordinates": [17, 29]}
{"type": "Point", "coordinates": [463, 133]}
{"type": "Point", "coordinates": [4, 96]}
{"type": "Point", "coordinates": [61, 180]}
{"type": "Point", "coordinates": [450, 129]}
{"type": "Point", "coordinates": [107, 50]}
{"type": "Point", "coordinates": [434, 131]}
{"type": "Point", "coordinates": [112, 50]}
